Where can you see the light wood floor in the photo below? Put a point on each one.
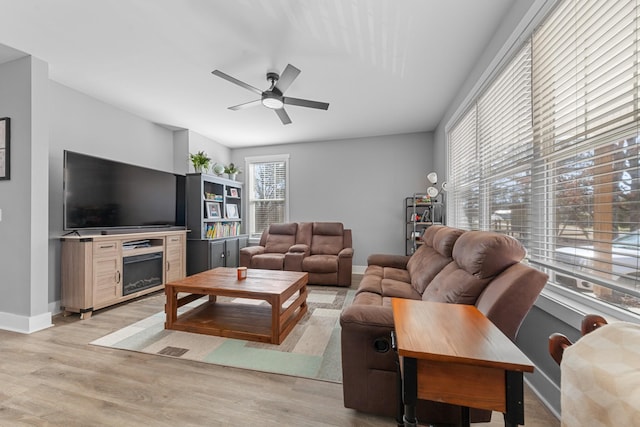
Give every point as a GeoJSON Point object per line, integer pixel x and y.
{"type": "Point", "coordinates": [55, 378]}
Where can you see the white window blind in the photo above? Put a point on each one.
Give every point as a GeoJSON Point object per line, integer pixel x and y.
{"type": "Point", "coordinates": [585, 89]}
{"type": "Point", "coordinates": [506, 148]}
{"type": "Point", "coordinates": [463, 204]}
{"type": "Point", "coordinates": [268, 190]}
{"type": "Point", "coordinates": [550, 152]}
{"type": "Point", "coordinates": [491, 152]}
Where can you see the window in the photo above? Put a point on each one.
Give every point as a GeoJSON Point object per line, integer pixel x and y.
{"type": "Point", "coordinates": [553, 157]}
{"type": "Point", "coordinates": [268, 192]}
{"type": "Point", "coordinates": [586, 128]}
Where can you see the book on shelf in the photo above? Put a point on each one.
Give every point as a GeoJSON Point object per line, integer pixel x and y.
{"type": "Point", "coordinates": [213, 197]}
{"type": "Point", "coordinates": [217, 230]}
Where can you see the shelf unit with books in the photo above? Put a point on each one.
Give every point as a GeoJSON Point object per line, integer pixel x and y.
{"type": "Point", "coordinates": [215, 218]}
{"type": "Point", "coordinates": [421, 212]}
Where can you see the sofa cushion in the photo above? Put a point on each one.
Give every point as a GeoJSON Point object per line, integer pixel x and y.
{"type": "Point", "coordinates": [398, 289]}
{"type": "Point", "coordinates": [370, 283]}
{"type": "Point", "coordinates": [431, 257]}
{"type": "Point", "coordinates": [396, 274]}
{"type": "Point", "coordinates": [281, 237]}
{"type": "Point", "coordinates": [375, 270]}
{"type": "Point", "coordinates": [455, 286]}
{"type": "Point", "coordinates": [478, 256]}
{"type": "Point", "coordinates": [320, 264]}
{"type": "Point", "coordinates": [486, 254]}
{"type": "Point", "coordinates": [429, 234]}
{"type": "Point", "coordinates": [327, 238]}
{"type": "Point", "coordinates": [270, 261]}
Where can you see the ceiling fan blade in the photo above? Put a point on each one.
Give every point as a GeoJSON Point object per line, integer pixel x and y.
{"type": "Point", "coordinates": [246, 105]}
{"type": "Point", "coordinates": [287, 77]}
{"type": "Point", "coordinates": [305, 103]}
{"type": "Point", "coordinates": [236, 81]}
{"type": "Point", "coordinates": [284, 117]}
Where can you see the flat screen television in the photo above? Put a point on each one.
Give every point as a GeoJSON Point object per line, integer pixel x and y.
{"type": "Point", "coordinates": [105, 194]}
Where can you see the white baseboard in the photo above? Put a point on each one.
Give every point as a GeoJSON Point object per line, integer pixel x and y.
{"type": "Point", "coordinates": [54, 307]}
{"type": "Point", "coordinates": [358, 269]}
{"type": "Point", "coordinates": [25, 324]}
{"type": "Point", "coordinates": [542, 386]}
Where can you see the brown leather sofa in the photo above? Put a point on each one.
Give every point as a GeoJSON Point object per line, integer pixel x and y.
{"type": "Point", "coordinates": [322, 249]}
{"type": "Point", "coordinates": [452, 266]}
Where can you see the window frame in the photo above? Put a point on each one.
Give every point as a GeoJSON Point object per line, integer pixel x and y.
{"type": "Point", "coordinates": [249, 162]}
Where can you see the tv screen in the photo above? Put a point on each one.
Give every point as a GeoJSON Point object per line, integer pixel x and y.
{"type": "Point", "coordinates": [100, 194]}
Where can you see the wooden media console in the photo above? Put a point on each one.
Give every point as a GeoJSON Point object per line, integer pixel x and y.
{"type": "Point", "coordinates": [102, 270]}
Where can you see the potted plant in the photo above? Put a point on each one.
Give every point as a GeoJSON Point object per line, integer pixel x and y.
{"type": "Point", "coordinates": [232, 170]}
{"type": "Point", "coordinates": [200, 161]}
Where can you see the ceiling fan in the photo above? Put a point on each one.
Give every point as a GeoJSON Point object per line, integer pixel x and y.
{"type": "Point", "coordinates": [273, 97]}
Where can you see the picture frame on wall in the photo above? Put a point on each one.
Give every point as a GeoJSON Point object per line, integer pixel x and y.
{"type": "Point", "coordinates": [5, 139]}
{"type": "Point", "coordinates": [232, 211]}
{"type": "Point", "coordinates": [212, 210]}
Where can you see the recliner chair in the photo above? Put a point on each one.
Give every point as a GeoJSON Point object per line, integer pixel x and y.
{"type": "Point", "coordinates": [274, 244]}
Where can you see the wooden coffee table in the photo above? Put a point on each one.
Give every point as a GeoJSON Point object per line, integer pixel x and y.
{"type": "Point", "coordinates": [252, 322]}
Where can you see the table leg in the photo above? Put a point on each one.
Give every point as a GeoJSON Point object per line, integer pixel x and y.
{"type": "Point", "coordinates": [171, 306]}
{"type": "Point", "coordinates": [464, 416]}
{"type": "Point", "coordinates": [276, 305]}
{"type": "Point", "coordinates": [515, 399]}
{"type": "Point", "coordinates": [399, 403]}
{"type": "Point", "coordinates": [410, 390]}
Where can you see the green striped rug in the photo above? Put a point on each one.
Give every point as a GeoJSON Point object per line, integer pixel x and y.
{"type": "Point", "coordinates": [311, 350]}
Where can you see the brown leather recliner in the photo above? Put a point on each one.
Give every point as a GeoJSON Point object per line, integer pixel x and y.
{"type": "Point", "coordinates": [330, 256]}
{"type": "Point", "coordinates": [274, 244]}
{"type": "Point", "coordinates": [453, 266]}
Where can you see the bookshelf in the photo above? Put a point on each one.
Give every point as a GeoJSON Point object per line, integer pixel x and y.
{"type": "Point", "coordinates": [421, 212]}
{"type": "Point", "coordinates": [215, 216]}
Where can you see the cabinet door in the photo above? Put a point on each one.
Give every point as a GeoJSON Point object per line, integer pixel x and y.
{"type": "Point", "coordinates": [232, 252]}
{"type": "Point", "coordinates": [216, 254]}
{"type": "Point", "coordinates": [174, 260]}
{"type": "Point", "coordinates": [107, 272]}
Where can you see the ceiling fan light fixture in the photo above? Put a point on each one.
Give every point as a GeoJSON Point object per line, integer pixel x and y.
{"type": "Point", "coordinates": [272, 101]}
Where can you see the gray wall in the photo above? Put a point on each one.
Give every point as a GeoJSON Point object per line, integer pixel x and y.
{"type": "Point", "coordinates": [23, 198]}
{"type": "Point", "coordinates": [359, 182]}
{"type": "Point", "coordinates": [217, 152]}
{"type": "Point", "coordinates": [83, 124]}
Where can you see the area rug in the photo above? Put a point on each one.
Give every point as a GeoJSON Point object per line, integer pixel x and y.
{"type": "Point", "coordinates": [311, 350]}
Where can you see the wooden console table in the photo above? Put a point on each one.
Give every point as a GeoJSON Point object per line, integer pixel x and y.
{"type": "Point", "coordinates": [452, 353]}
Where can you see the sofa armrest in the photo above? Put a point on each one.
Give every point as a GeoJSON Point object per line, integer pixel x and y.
{"type": "Point", "coordinates": [247, 253]}
{"type": "Point", "coordinates": [300, 247]}
{"type": "Point", "coordinates": [367, 316]}
{"type": "Point", "coordinates": [345, 266]}
{"type": "Point", "coordinates": [388, 260]}
{"type": "Point", "coordinates": [252, 250]}
{"type": "Point", "coordinates": [346, 253]}
{"type": "Point", "coordinates": [293, 260]}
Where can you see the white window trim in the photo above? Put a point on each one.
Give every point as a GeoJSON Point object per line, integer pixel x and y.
{"type": "Point", "coordinates": [267, 158]}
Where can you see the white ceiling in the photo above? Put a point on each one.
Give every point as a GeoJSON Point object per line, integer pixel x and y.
{"type": "Point", "coordinates": [385, 66]}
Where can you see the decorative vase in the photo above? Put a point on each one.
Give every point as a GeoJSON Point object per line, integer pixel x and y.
{"type": "Point", "coordinates": [232, 176]}
{"type": "Point", "coordinates": [218, 169]}
{"type": "Point", "coordinates": [197, 169]}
